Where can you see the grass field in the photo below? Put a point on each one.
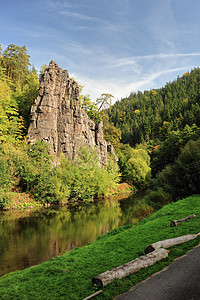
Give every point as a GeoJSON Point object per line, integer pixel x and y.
{"type": "Point", "coordinates": [69, 276]}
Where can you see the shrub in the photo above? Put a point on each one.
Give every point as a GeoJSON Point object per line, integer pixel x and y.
{"type": "Point", "coordinates": [186, 170]}
{"type": "Point", "coordinates": [29, 169]}
{"type": "Point", "coordinates": [138, 172]}
{"type": "Point", "coordinates": [4, 198]}
{"type": "Point", "coordinates": [157, 198]}
{"type": "Point", "coordinates": [59, 181]}
{"type": "Point", "coordinates": [170, 149]}
{"type": "Point", "coordinates": [113, 169]}
{"type": "Point", "coordinates": [165, 180]}
{"type": "Point", "coordinates": [5, 173]}
{"type": "Point", "coordinates": [135, 166]}
{"type": "Point", "coordinates": [182, 178]}
{"type": "Point", "coordinates": [83, 178]}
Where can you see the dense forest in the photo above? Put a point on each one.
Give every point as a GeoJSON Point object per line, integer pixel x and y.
{"type": "Point", "coordinates": [166, 123]}
{"type": "Point", "coordinates": [150, 116]}
{"type": "Point", "coordinates": [155, 134]}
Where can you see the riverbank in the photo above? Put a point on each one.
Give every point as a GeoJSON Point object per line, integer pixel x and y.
{"type": "Point", "coordinates": [122, 188]}
{"type": "Point", "coordinates": [16, 200]}
{"type": "Point", "coordinates": [69, 276]}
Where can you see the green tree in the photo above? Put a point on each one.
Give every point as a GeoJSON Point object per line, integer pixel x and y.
{"type": "Point", "coordinates": [135, 166]}
{"type": "Point", "coordinates": [186, 170]}
{"type": "Point", "coordinates": [138, 172]}
{"type": "Point", "coordinates": [181, 178]}
{"type": "Point", "coordinates": [111, 133]}
{"type": "Point", "coordinates": [16, 63]}
{"type": "Point", "coordinates": [104, 101]}
{"type": "Point", "coordinates": [26, 97]}
{"type": "Point", "coordinates": [170, 148]}
{"type": "Point", "coordinates": [83, 178]}
{"type": "Point", "coordinates": [91, 108]}
{"type": "Point", "coordinates": [10, 122]}
{"type": "Point", "coordinates": [34, 70]}
{"type": "Point", "coordinates": [42, 70]}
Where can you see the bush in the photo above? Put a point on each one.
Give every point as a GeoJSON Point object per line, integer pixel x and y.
{"type": "Point", "coordinates": [138, 172]}
{"type": "Point", "coordinates": [182, 178]}
{"type": "Point", "coordinates": [4, 198]}
{"type": "Point", "coordinates": [157, 198]}
{"type": "Point", "coordinates": [135, 166]}
{"type": "Point", "coordinates": [29, 169]}
{"type": "Point", "coordinates": [186, 170]}
{"type": "Point", "coordinates": [83, 178]}
{"type": "Point", "coordinates": [113, 169]}
{"type": "Point", "coordinates": [165, 180]}
{"type": "Point", "coordinates": [59, 181]}
{"type": "Point", "coordinates": [170, 149]}
{"type": "Point", "coordinates": [5, 173]}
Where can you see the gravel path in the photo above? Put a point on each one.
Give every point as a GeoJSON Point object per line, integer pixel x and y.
{"type": "Point", "coordinates": [179, 281]}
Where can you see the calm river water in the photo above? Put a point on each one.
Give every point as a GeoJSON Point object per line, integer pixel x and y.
{"type": "Point", "coordinates": [30, 237]}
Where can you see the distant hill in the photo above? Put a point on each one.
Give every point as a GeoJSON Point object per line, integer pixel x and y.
{"type": "Point", "coordinates": [153, 114]}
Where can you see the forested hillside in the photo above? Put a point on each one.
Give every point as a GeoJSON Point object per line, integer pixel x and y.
{"type": "Point", "coordinates": [153, 114]}
{"type": "Point", "coordinates": [166, 123]}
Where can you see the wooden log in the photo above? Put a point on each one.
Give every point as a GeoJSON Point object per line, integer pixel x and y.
{"type": "Point", "coordinates": [170, 242]}
{"type": "Point", "coordinates": [177, 222]}
{"type": "Point", "coordinates": [130, 267]}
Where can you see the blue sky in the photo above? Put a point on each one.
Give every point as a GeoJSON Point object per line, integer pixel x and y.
{"type": "Point", "coordinates": [109, 46]}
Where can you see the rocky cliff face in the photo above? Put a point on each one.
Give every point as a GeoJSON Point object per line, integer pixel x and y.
{"type": "Point", "coordinates": [57, 118]}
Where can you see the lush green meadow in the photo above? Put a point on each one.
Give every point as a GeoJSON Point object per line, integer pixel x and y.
{"type": "Point", "coordinates": [70, 275]}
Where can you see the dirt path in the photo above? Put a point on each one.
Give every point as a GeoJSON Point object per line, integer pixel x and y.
{"type": "Point", "coordinates": [179, 281]}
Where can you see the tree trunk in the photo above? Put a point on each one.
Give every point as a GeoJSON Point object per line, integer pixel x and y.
{"type": "Point", "coordinates": [170, 242]}
{"type": "Point", "coordinates": [177, 222]}
{"type": "Point", "coordinates": [130, 267]}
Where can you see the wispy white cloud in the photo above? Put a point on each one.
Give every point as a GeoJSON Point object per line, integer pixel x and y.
{"type": "Point", "coordinates": [74, 11]}
{"type": "Point", "coordinates": [57, 4]}
{"type": "Point", "coordinates": [123, 88]}
{"type": "Point", "coordinates": [35, 34]}
{"type": "Point", "coordinates": [134, 59]}
{"type": "Point", "coordinates": [104, 24]}
{"type": "Point", "coordinates": [78, 16]}
{"type": "Point", "coordinates": [78, 49]}
{"type": "Point", "coordinates": [161, 25]}
{"type": "Point", "coordinates": [169, 55]}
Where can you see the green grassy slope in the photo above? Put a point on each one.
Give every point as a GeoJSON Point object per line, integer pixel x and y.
{"type": "Point", "coordinates": [69, 276]}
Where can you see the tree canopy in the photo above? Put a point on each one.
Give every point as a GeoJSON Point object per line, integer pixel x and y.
{"type": "Point", "coordinates": [151, 115]}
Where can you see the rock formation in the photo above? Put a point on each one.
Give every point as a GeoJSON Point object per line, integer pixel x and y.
{"type": "Point", "coordinates": [58, 119]}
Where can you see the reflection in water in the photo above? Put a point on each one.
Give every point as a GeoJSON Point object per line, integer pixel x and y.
{"type": "Point", "coordinates": [33, 237]}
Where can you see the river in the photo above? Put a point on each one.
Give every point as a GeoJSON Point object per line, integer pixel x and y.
{"type": "Point", "coordinates": [29, 237]}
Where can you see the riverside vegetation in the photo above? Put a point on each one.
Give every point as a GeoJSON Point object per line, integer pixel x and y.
{"type": "Point", "coordinates": [70, 275]}
{"type": "Point", "coordinates": [156, 136]}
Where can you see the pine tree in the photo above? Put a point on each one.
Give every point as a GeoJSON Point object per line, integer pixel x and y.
{"type": "Point", "coordinates": [15, 60]}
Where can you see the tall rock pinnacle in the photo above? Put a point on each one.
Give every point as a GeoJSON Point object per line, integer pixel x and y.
{"type": "Point", "coordinates": [58, 119]}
